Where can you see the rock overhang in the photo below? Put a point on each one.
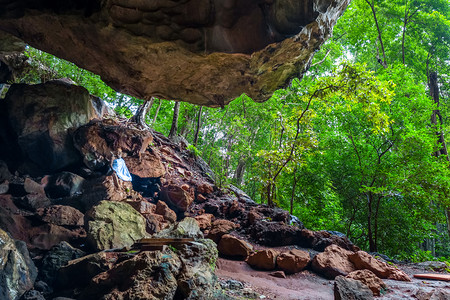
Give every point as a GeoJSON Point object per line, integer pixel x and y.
{"type": "Point", "coordinates": [206, 52]}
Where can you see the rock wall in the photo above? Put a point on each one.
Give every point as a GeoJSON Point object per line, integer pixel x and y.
{"type": "Point", "coordinates": [199, 51]}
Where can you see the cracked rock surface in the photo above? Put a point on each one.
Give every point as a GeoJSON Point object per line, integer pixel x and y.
{"type": "Point", "coordinates": [206, 52]}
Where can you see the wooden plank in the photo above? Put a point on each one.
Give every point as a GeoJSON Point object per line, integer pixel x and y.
{"type": "Point", "coordinates": [443, 277]}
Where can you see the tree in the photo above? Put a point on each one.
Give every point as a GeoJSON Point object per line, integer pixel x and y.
{"type": "Point", "coordinates": [174, 127]}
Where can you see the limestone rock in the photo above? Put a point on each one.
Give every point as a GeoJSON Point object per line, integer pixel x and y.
{"type": "Point", "coordinates": [186, 228]}
{"type": "Point", "coordinates": [148, 275]}
{"type": "Point", "coordinates": [61, 215]}
{"type": "Point", "coordinates": [143, 206]}
{"type": "Point", "coordinates": [263, 260]}
{"type": "Point", "coordinates": [232, 246]}
{"type": "Point", "coordinates": [293, 261]}
{"type": "Point", "coordinates": [233, 46]}
{"type": "Point", "coordinates": [351, 289]}
{"type": "Point", "coordinates": [154, 223]}
{"type": "Point", "coordinates": [371, 280]}
{"type": "Point", "coordinates": [363, 260]}
{"type": "Point", "coordinates": [333, 261]}
{"type": "Point", "coordinates": [41, 115]}
{"type": "Point", "coordinates": [18, 270]}
{"type": "Point", "coordinates": [197, 279]}
{"type": "Point", "coordinates": [57, 257]}
{"type": "Point", "coordinates": [114, 225]}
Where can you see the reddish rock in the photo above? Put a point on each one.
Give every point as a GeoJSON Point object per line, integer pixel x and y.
{"type": "Point", "coordinates": [253, 216]}
{"type": "Point", "coordinates": [232, 246]}
{"type": "Point", "coordinates": [204, 221]}
{"type": "Point", "coordinates": [35, 201]}
{"type": "Point", "coordinates": [99, 141]}
{"type": "Point", "coordinates": [333, 261]}
{"type": "Point", "coordinates": [154, 223]}
{"type": "Point", "coordinates": [235, 209]}
{"type": "Point", "coordinates": [185, 187]}
{"type": "Point", "coordinates": [164, 210]}
{"type": "Point", "coordinates": [293, 261]}
{"type": "Point", "coordinates": [49, 235]}
{"type": "Point", "coordinates": [219, 228]}
{"type": "Point", "coordinates": [205, 188]}
{"type": "Point", "coordinates": [145, 165]}
{"type": "Point", "coordinates": [201, 198]}
{"type": "Point", "coordinates": [143, 206]}
{"type": "Point", "coordinates": [177, 196]}
{"type": "Point", "coordinates": [367, 277]}
{"type": "Point", "coordinates": [64, 184]}
{"type": "Point", "coordinates": [363, 260]}
{"type": "Point", "coordinates": [263, 260]}
{"type": "Point", "coordinates": [61, 215]}
{"type": "Point", "coordinates": [278, 274]}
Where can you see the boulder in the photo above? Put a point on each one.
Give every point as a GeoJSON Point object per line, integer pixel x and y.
{"type": "Point", "coordinates": [205, 188]}
{"type": "Point", "coordinates": [351, 289]}
{"type": "Point", "coordinates": [64, 184]}
{"type": "Point", "coordinates": [263, 259]}
{"type": "Point", "coordinates": [32, 187]}
{"type": "Point", "coordinates": [220, 227]}
{"type": "Point", "coordinates": [48, 235]}
{"type": "Point", "coordinates": [252, 217]}
{"type": "Point", "coordinates": [275, 234]}
{"type": "Point", "coordinates": [164, 210]}
{"type": "Point", "coordinates": [232, 246]}
{"type": "Point", "coordinates": [186, 228]}
{"type": "Point", "coordinates": [293, 261]}
{"type": "Point", "coordinates": [148, 275]}
{"type": "Point", "coordinates": [41, 116]}
{"type": "Point", "coordinates": [33, 202]}
{"type": "Point", "coordinates": [101, 141]}
{"type": "Point", "coordinates": [179, 198]}
{"type": "Point", "coordinates": [79, 272]}
{"type": "Point", "coordinates": [57, 257]}
{"type": "Point", "coordinates": [197, 279]}
{"type": "Point", "coordinates": [333, 261]}
{"type": "Point", "coordinates": [147, 165]}
{"type": "Point", "coordinates": [319, 240]}
{"type": "Point", "coordinates": [61, 215]}
{"type": "Point", "coordinates": [371, 280]}
{"type": "Point", "coordinates": [18, 270]}
{"type": "Point", "coordinates": [363, 260]}
{"type": "Point", "coordinates": [114, 224]}
{"type": "Point", "coordinates": [204, 221]}
{"type": "Point", "coordinates": [154, 223]}
{"type": "Point", "coordinates": [143, 206]}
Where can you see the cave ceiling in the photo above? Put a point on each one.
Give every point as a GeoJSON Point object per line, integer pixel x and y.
{"type": "Point", "coordinates": [206, 52]}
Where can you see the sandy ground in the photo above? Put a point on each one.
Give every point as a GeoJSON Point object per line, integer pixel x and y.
{"type": "Point", "coordinates": [307, 285]}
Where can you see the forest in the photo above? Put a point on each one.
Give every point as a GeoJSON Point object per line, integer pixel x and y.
{"type": "Point", "coordinates": [358, 145]}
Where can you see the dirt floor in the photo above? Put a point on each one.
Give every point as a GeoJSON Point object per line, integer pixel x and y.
{"type": "Point", "coordinates": [307, 285]}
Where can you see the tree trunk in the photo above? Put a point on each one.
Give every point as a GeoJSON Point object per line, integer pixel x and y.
{"type": "Point", "coordinates": [380, 38]}
{"type": "Point", "coordinates": [139, 116]}
{"type": "Point", "coordinates": [293, 192]}
{"type": "Point", "coordinates": [174, 127]}
{"type": "Point", "coordinates": [156, 112]}
{"type": "Point", "coordinates": [434, 93]}
{"type": "Point", "coordinates": [199, 121]}
{"type": "Point", "coordinates": [239, 174]}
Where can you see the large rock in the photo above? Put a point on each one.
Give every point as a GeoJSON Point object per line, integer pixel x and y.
{"type": "Point", "coordinates": [114, 224]}
{"type": "Point", "coordinates": [263, 260]}
{"type": "Point", "coordinates": [219, 228]}
{"type": "Point", "coordinates": [254, 46]}
{"type": "Point", "coordinates": [61, 215]}
{"type": "Point", "coordinates": [177, 197]}
{"type": "Point", "coordinates": [232, 246]}
{"type": "Point", "coordinates": [64, 184]}
{"type": "Point", "coordinates": [363, 260]}
{"type": "Point", "coordinates": [293, 261]}
{"type": "Point", "coordinates": [332, 262]}
{"type": "Point", "coordinates": [100, 141]}
{"type": "Point", "coordinates": [186, 228]}
{"type": "Point", "coordinates": [41, 116]}
{"type": "Point", "coordinates": [148, 275]}
{"type": "Point", "coordinates": [375, 284]}
{"type": "Point", "coordinates": [146, 165]}
{"type": "Point", "coordinates": [57, 257]}
{"type": "Point", "coordinates": [17, 269]}
{"type": "Point", "coordinates": [351, 289]}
